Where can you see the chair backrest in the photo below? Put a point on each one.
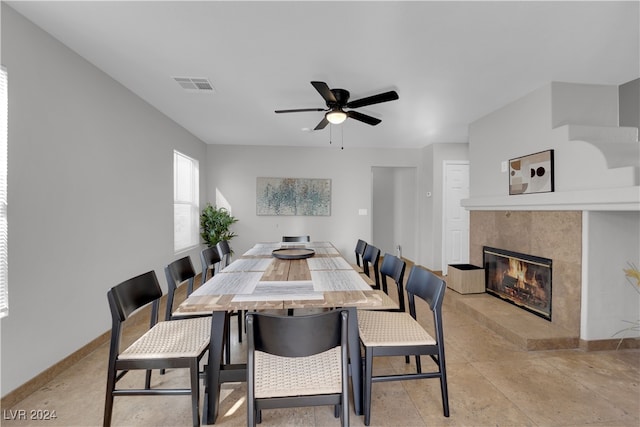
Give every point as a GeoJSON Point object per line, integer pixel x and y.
{"type": "Point", "coordinates": [393, 267]}
{"type": "Point", "coordinates": [296, 336]}
{"type": "Point", "coordinates": [224, 250]}
{"type": "Point", "coordinates": [361, 245]}
{"type": "Point", "coordinates": [133, 294]}
{"type": "Point", "coordinates": [430, 288]}
{"type": "Point", "coordinates": [177, 272]}
{"type": "Point", "coordinates": [209, 257]}
{"type": "Point", "coordinates": [371, 258]}
{"type": "Point", "coordinates": [296, 238]}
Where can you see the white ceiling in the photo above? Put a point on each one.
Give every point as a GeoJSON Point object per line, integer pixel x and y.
{"type": "Point", "coordinates": [450, 62]}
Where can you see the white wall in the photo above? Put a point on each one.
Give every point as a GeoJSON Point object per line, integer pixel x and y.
{"type": "Point", "coordinates": [526, 126]}
{"type": "Point", "coordinates": [90, 197]}
{"type": "Point", "coordinates": [233, 170]}
{"type": "Point", "coordinates": [431, 206]}
{"type": "Point", "coordinates": [610, 303]}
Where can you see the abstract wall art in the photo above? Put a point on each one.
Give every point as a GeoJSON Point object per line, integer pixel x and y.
{"type": "Point", "coordinates": [531, 174]}
{"type": "Point", "coordinates": [293, 196]}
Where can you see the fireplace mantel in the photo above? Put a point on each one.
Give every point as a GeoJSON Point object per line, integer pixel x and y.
{"type": "Point", "coordinates": [605, 199]}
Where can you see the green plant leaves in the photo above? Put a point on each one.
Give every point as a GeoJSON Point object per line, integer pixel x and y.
{"type": "Point", "coordinates": [214, 225]}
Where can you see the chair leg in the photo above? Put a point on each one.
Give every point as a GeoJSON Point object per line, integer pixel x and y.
{"type": "Point", "coordinates": [443, 384]}
{"type": "Point", "coordinates": [195, 392]}
{"type": "Point", "coordinates": [147, 379]}
{"type": "Point", "coordinates": [418, 365]}
{"type": "Point", "coordinates": [445, 394]}
{"type": "Point", "coordinates": [368, 371]}
{"type": "Point", "coordinates": [344, 418]}
{"type": "Point", "coordinates": [227, 339]}
{"type": "Point", "coordinates": [240, 322]}
{"type": "Point", "coordinates": [108, 401]}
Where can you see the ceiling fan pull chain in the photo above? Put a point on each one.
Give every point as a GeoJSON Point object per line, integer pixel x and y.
{"type": "Point", "coordinates": [342, 136]}
{"type": "Point", "coordinates": [330, 133]}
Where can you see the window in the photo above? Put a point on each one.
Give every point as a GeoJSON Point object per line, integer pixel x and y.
{"type": "Point", "coordinates": [4, 227]}
{"type": "Point", "coordinates": [186, 209]}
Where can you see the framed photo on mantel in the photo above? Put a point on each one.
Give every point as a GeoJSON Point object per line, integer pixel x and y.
{"type": "Point", "coordinates": [531, 174]}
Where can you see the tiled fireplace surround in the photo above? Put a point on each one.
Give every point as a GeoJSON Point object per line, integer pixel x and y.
{"type": "Point", "coordinates": [551, 234]}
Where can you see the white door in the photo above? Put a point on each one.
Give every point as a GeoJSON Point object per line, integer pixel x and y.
{"type": "Point", "coordinates": [455, 218]}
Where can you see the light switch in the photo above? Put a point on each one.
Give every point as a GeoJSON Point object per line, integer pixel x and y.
{"type": "Point", "coordinates": [504, 166]}
{"type": "Point", "coordinates": [362, 211]}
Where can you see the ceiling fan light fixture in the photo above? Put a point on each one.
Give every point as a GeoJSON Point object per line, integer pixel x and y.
{"type": "Point", "coordinates": [336, 116]}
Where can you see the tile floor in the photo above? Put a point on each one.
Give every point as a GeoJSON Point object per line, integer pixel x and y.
{"type": "Point", "coordinates": [492, 382]}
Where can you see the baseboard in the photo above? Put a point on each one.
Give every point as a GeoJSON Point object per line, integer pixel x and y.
{"type": "Point", "coordinates": [610, 344]}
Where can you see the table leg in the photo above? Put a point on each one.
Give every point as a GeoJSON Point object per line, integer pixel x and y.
{"type": "Point", "coordinates": [212, 386]}
{"type": "Point", "coordinates": [355, 360]}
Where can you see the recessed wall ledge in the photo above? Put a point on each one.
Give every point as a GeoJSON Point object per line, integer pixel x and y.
{"type": "Point", "coordinates": [605, 199]}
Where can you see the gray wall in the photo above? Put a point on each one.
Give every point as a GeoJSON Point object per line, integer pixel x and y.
{"type": "Point", "coordinates": [90, 197]}
{"type": "Point", "coordinates": [629, 98]}
{"type": "Point", "coordinates": [394, 211]}
{"type": "Point", "coordinates": [233, 170]}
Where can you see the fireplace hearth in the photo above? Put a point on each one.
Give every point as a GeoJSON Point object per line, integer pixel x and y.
{"type": "Point", "coordinates": [520, 279]}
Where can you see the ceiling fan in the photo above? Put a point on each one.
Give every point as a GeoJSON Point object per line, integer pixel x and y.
{"type": "Point", "coordinates": [338, 99]}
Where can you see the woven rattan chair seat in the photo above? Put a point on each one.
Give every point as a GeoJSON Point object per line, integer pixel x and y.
{"type": "Point", "coordinates": [382, 328]}
{"type": "Point", "coordinates": [278, 376]}
{"type": "Point", "coordinates": [174, 338]}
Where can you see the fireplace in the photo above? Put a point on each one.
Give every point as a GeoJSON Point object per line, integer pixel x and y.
{"type": "Point", "coordinates": [523, 280]}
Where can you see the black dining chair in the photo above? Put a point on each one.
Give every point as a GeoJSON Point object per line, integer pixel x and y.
{"type": "Point", "coordinates": [297, 361]}
{"type": "Point", "coordinates": [176, 273]}
{"type": "Point", "coordinates": [361, 245]}
{"type": "Point", "coordinates": [209, 259]}
{"type": "Point", "coordinates": [371, 264]}
{"type": "Point", "coordinates": [393, 267]}
{"type": "Point", "coordinates": [224, 250]}
{"type": "Point", "coordinates": [170, 344]}
{"type": "Point", "coordinates": [384, 333]}
{"type": "Point", "coordinates": [293, 239]}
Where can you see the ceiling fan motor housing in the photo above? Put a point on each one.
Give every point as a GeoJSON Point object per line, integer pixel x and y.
{"type": "Point", "coordinates": [342, 97]}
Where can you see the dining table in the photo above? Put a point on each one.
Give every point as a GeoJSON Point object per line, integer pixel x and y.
{"type": "Point", "coordinates": [281, 276]}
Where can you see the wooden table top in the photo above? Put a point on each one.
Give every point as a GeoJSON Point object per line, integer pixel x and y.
{"type": "Point", "coordinates": [262, 291]}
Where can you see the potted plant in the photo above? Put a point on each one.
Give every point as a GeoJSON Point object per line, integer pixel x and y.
{"type": "Point", "coordinates": [214, 225]}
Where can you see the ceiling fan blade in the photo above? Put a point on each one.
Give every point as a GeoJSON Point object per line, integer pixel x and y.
{"type": "Point", "coordinates": [300, 110]}
{"type": "Point", "coordinates": [375, 99]}
{"type": "Point", "coordinates": [363, 118]}
{"type": "Point", "coordinates": [324, 90]}
{"type": "Point", "coordinates": [323, 123]}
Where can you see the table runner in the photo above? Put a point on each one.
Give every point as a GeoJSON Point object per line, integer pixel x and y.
{"type": "Point", "coordinates": [328, 263]}
{"type": "Point", "coordinates": [338, 280]}
{"type": "Point", "coordinates": [282, 290]}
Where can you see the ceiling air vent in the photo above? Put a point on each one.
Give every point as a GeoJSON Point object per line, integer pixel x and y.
{"type": "Point", "coordinates": [195, 84]}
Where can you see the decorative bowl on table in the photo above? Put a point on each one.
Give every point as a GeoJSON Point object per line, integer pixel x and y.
{"type": "Point", "coordinates": [293, 253]}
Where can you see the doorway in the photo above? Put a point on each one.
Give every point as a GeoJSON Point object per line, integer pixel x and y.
{"type": "Point", "coordinates": [394, 210]}
{"type": "Point", "coordinates": [455, 218]}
